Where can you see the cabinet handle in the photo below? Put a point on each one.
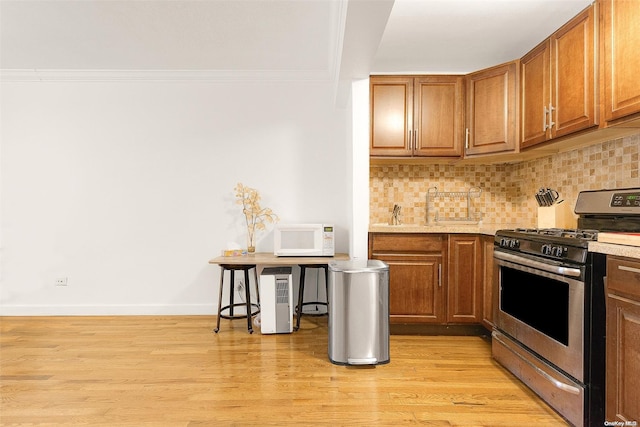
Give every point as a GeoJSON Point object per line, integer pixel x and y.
{"type": "Point", "coordinates": [551, 110]}
{"type": "Point", "coordinates": [631, 269]}
{"type": "Point", "coordinates": [415, 139]}
{"type": "Point", "coordinates": [439, 275]}
{"type": "Point", "coordinates": [466, 139]}
{"type": "Point", "coordinates": [544, 118]}
{"type": "Point", "coordinates": [410, 140]}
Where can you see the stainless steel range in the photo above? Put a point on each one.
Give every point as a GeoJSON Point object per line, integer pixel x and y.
{"type": "Point", "coordinates": [549, 302]}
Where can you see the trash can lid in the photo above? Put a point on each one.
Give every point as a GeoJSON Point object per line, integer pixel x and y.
{"type": "Point", "coordinates": [358, 265]}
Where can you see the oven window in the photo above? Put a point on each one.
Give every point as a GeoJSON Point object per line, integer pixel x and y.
{"type": "Point", "coordinates": [540, 302]}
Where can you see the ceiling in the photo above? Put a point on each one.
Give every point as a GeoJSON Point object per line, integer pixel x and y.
{"type": "Point", "coordinates": [460, 36]}
{"type": "Point", "coordinates": [299, 39]}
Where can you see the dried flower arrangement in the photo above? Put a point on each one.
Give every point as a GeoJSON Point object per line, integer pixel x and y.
{"type": "Point", "coordinates": [256, 216]}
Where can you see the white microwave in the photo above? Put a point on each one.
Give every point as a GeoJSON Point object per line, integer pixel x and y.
{"type": "Point", "coordinates": [303, 240]}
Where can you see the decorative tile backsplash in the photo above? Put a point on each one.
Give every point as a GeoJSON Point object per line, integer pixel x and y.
{"type": "Point", "coordinates": [507, 190]}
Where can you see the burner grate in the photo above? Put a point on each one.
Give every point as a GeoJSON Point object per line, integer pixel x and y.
{"type": "Point", "coordinates": [582, 234]}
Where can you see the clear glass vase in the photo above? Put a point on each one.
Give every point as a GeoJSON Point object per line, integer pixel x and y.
{"type": "Point", "coordinates": [251, 241]}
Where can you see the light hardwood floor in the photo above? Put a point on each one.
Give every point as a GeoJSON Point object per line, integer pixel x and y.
{"type": "Point", "coordinates": [174, 371]}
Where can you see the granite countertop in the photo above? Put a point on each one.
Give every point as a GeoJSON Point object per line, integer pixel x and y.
{"type": "Point", "coordinates": [614, 249]}
{"type": "Point", "coordinates": [451, 228]}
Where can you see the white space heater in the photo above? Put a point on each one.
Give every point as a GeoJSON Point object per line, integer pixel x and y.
{"type": "Point", "coordinates": [276, 300]}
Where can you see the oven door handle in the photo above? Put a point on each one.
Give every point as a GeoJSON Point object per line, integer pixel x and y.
{"type": "Point", "coordinates": [557, 383]}
{"type": "Point", "coordinates": [564, 271]}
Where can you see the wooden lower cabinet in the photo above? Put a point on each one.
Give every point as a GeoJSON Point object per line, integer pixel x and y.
{"type": "Point", "coordinates": [433, 278]}
{"type": "Point", "coordinates": [416, 276]}
{"type": "Point", "coordinates": [415, 293]}
{"type": "Point", "coordinates": [623, 340]}
{"type": "Point", "coordinates": [487, 282]}
{"type": "Point", "coordinates": [464, 290]}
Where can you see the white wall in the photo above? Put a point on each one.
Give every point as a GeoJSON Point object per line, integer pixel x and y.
{"type": "Point", "coordinates": [126, 188]}
{"type": "Point", "coordinates": [360, 163]}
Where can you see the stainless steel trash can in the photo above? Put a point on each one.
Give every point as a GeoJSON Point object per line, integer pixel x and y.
{"type": "Point", "coordinates": [358, 312]}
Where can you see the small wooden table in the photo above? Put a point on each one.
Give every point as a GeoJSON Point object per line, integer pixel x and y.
{"type": "Point", "coordinates": [268, 258]}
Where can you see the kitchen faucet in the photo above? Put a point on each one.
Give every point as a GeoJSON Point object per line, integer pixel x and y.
{"type": "Point", "coordinates": [395, 216]}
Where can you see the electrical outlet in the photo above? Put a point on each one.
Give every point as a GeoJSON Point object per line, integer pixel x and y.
{"type": "Point", "coordinates": [61, 281]}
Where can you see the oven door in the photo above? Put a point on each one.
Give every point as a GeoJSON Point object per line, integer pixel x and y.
{"type": "Point", "coordinates": [541, 305]}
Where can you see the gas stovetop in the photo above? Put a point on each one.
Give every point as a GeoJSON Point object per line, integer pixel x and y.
{"type": "Point", "coordinates": [558, 244]}
{"type": "Point", "coordinates": [575, 233]}
{"type": "Point", "coordinates": [602, 210]}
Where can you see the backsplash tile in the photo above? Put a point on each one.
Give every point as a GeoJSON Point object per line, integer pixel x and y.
{"type": "Point", "coordinates": [507, 190]}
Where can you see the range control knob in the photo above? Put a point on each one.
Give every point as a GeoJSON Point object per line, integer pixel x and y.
{"type": "Point", "coordinates": [509, 243]}
{"type": "Point", "coordinates": [554, 251]}
{"type": "Point", "coordinates": [558, 251]}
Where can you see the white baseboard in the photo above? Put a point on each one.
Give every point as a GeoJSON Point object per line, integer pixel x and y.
{"type": "Point", "coordinates": [107, 310]}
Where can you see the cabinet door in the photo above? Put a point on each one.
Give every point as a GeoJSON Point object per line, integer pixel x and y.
{"type": "Point", "coordinates": [623, 339]}
{"type": "Point", "coordinates": [391, 103]}
{"type": "Point", "coordinates": [487, 287]}
{"type": "Point", "coordinates": [558, 83]}
{"type": "Point", "coordinates": [623, 359]}
{"type": "Point", "coordinates": [438, 116]}
{"type": "Point", "coordinates": [535, 83]}
{"type": "Point", "coordinates": [417, 280]}
{"type": "Point", "coordinates": [464, 303]}
{"type": "Point", "coordinates": [573, 67]}
{"type": "Point", "coordinates": [415, 289]}
{"type": "Point", "coordinates": [491, 110]}
{"type": "Point", "coordinates": [621, 34]}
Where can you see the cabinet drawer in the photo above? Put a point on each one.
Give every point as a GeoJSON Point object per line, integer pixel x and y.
{"type": "Point", "coordinates": [623, 276]}
{"type": "Point", "coordinates": [406, 243]}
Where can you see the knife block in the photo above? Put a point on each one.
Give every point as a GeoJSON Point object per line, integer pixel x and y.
{"type": "Point", "coordinates": [556, 216]}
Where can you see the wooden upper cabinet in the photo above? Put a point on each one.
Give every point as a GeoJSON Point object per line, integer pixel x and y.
{"type": "Point", "coordinates": [416, 116]}
{"type": "Point", "coordinates": [535, 84]}
{"type": "Point", "coordinates": [574, 65]}
{"type": "Point", "coordinates": [438, 116]}
{"type": "Point", "coordinates": [391, 107]}
{"type": "Point", "coordinates": [621, 42]}
{"type": "Point", "coordinates": [491, 122]}
{"type": "Point", "coordinates": [558, 83]}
